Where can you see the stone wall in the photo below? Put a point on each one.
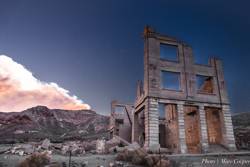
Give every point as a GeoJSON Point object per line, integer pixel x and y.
{"type": "Point", "coordinates": [152, 93]}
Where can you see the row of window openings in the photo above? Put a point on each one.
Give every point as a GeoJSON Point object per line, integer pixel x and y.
{"type": "Point", "coordinates": [170, 52]}
{"type": "Point", "coordinates": [171, 80]}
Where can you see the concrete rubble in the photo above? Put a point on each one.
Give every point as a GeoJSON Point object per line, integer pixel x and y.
{"type": "Point", "coordinates": [100, 146]}
{"type": "Point", "coordinates": [45, 144]}
{"type": "Point", "coordinates": [141, 156]}
{"type": "Point", "coordinates": [75, 147]}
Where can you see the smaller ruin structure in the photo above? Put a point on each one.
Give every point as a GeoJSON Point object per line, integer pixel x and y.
{"type": "Point", "coordinates": [121, 120]}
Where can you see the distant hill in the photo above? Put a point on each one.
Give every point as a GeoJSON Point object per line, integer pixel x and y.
{"type": "Point", "coordinates": [40, 122]}
{"type": "Point", "coordinates": [241, 124]}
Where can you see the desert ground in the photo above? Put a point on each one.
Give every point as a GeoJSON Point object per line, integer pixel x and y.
{"type": "Point", "coordinates": [76, 161]}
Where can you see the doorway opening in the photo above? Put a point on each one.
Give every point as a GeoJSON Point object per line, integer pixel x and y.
{"type": "Point", "coordinates": [213, 119]}
{"type": "Point", "coordinates": [192, 129]}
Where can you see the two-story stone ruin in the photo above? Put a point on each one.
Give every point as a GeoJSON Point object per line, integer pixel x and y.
{"type": "Point", "coordinates": [180, 105]}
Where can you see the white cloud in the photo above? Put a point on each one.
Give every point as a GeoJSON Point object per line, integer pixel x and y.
{"type": "Point", "coordinates": [19, 90]}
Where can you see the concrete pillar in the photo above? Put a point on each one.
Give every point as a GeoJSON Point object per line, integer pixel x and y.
{"type": "Point", "coordinates": [221, 81]}
{"type": "Point", "coordinates": [151, 123]}
{"type": "Point", "coordinates": [228, 132]}
{"type": "Point", "coordinates": [182, 137]}
{"type": "Point", "coordinates": [189, 72]}
{"type": "Point", "coordinates": [203, 130]}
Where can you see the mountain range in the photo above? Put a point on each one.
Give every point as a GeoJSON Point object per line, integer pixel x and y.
{"type": "Point", "coordinates": [241, 123]}
{"type": "Point", "coordinates": [40, 122]}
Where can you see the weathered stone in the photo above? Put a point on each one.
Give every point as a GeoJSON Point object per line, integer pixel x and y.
{"type": "Point", "coordinates": [28, 148]}
{"type": "Point", "coordinates": [45, 144]}
{"type": "Point", "coordinates": [21, 153]}
{"type": "Point", "coordinates": [163, 163]}
{"type": "Point", "coordinates": [120, 157]}
{"type": "Point", "coordinates": [155, 158]}
{"type": "Point", "coordinates": [134, 146]}
{"type": "Point", "coordinates": [65, 149]}
{"type": "Point", "coordinates": [100, 146]}
{"type": "Point", "coordinates": [149, 160]}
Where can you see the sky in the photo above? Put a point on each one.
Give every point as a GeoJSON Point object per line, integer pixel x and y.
{"type": "Point", "coordinates": [94, 48]}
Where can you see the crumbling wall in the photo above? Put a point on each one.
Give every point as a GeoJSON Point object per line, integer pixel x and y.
{"type": "Point", "coordinates": [139, 127]}
{"type": "Point", "coordinates": [121, 121]}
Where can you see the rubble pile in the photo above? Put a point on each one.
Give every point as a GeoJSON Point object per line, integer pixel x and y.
{"type": "Point", "coordinates": [139, 156]}
{"type": "Point", "coordinates": [111, 146]}
{"type": "Point", "coordinates": [101, 146]}
{"type": "Point", "coordinates": [22, 149]}
{"type": "Point", "coordinates": [73, 147]}
{"type": "Point", "coordinates": [112, 143]}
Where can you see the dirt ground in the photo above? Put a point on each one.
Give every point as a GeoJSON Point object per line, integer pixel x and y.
{"type": "Point", "coordinates": [9, 160]}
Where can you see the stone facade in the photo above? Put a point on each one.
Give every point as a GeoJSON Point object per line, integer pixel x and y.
{"type": "Point", "coordinates": [180, 105]}
{"type": "Point", "coordinates": [192, 101]}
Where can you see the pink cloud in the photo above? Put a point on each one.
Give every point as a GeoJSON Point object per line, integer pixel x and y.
{"type": "Point", "coordinates": [20, 90]}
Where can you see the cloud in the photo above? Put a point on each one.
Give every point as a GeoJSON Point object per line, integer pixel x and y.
{"type": "Point", "coordinates": [20, 90]}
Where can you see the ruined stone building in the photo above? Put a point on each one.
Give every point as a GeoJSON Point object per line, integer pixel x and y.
{"type": "Point", "coordinates": [121, 120]}
{"type": "Point", "coordinates": [180, 105]}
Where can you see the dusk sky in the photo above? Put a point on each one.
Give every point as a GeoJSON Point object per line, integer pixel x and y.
{"type": "Point", "coordinates": [94, 48]}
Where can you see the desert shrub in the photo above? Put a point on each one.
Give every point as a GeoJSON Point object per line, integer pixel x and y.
{"type": "Point", "coordinates": [35, 160]}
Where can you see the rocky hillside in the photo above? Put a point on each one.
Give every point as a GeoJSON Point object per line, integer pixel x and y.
{"type": "Point", "coordinates": [39, 122]}
{"type": "Point", "coordinates": [241, 124]}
